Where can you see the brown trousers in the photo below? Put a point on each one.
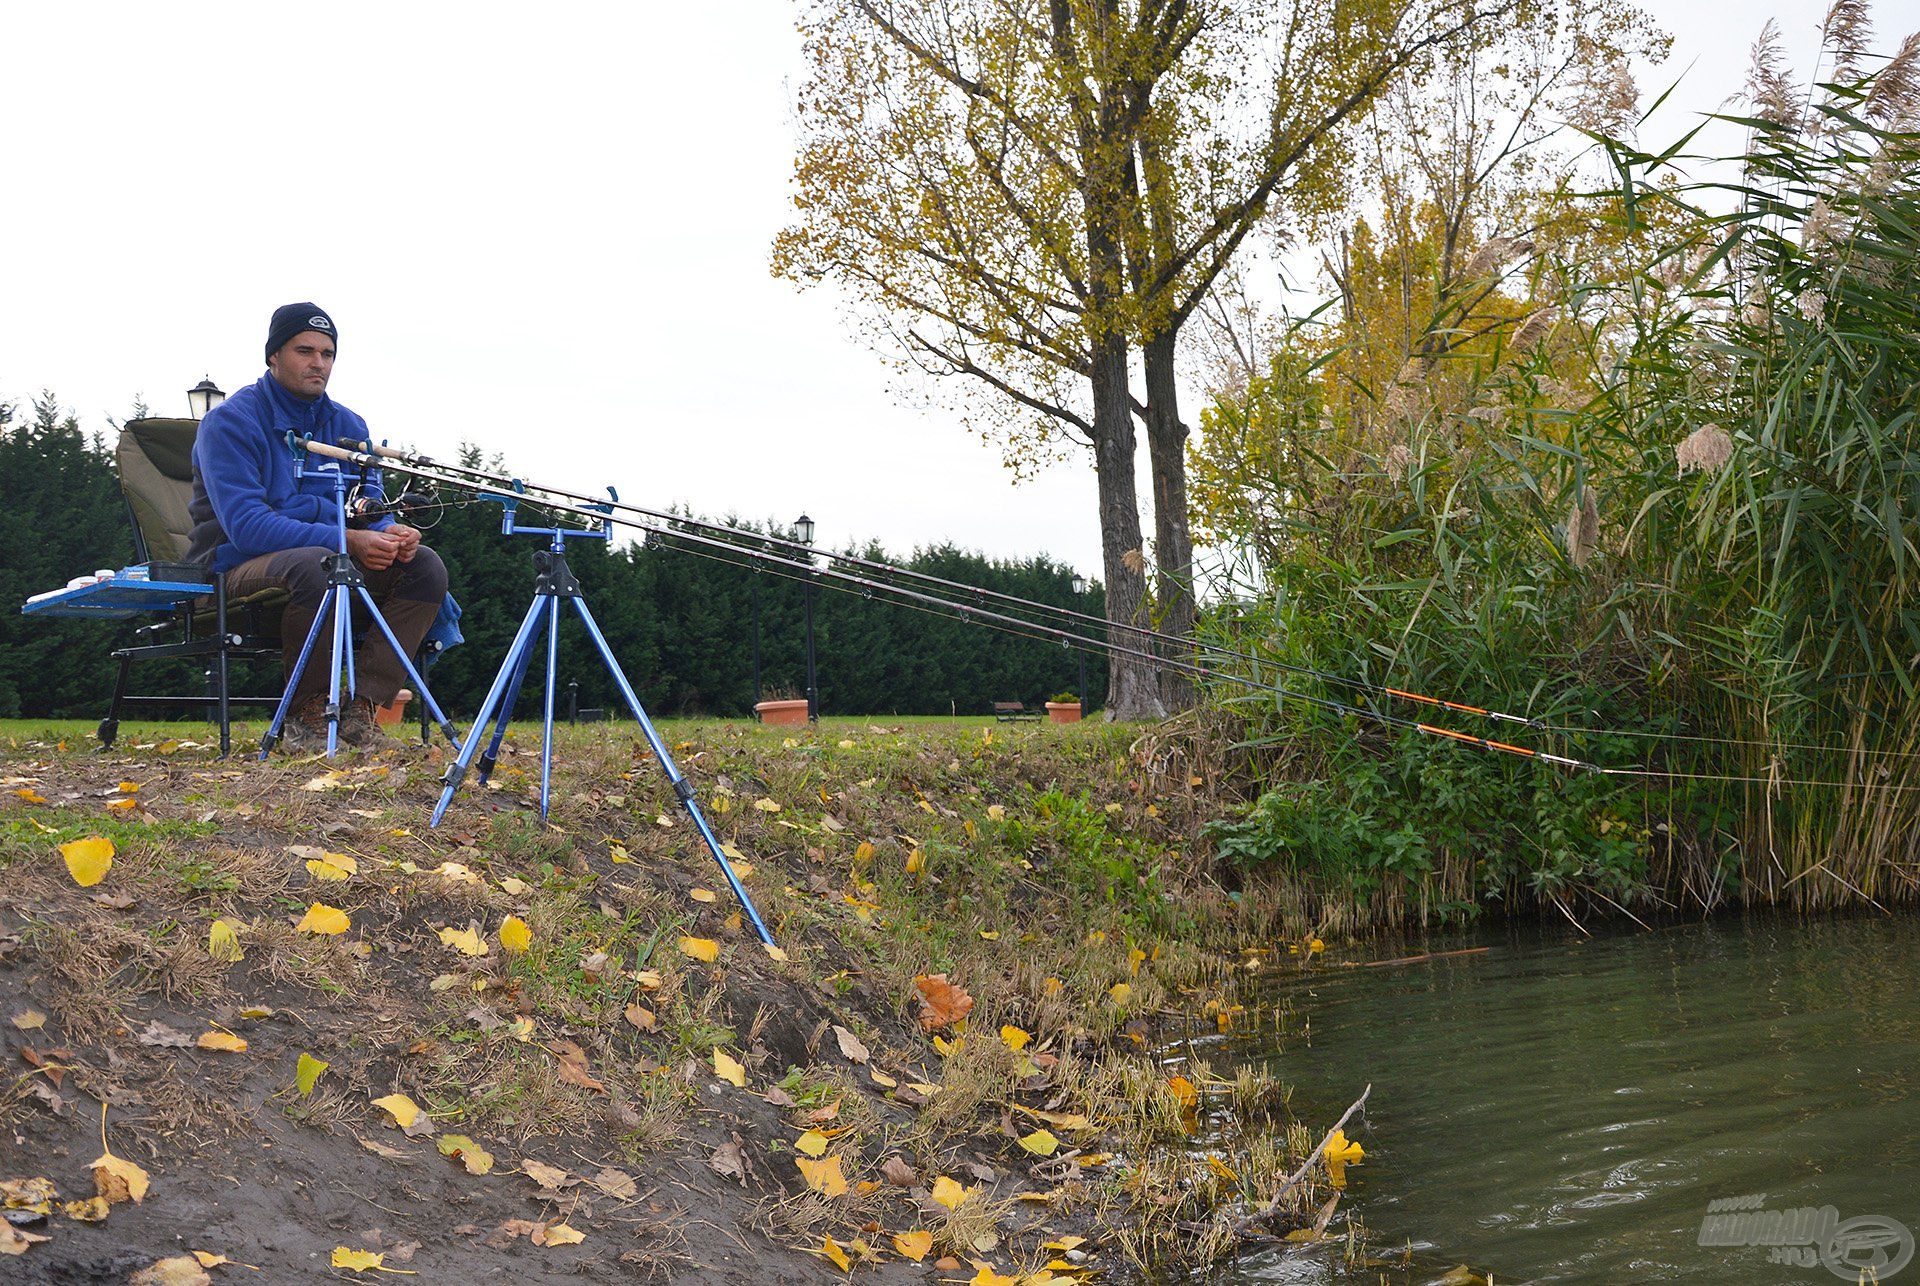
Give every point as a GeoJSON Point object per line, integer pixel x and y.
{"type": "Point", "coordinates": [408, 595]}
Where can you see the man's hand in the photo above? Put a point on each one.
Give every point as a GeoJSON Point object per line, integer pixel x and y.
{"type": "Point", "coordinates": [377, 550]}
{"type": "Point", "coordinates": [409, 541]}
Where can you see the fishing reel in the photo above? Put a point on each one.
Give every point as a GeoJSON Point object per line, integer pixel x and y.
{"type": "Point", "coordinates": [418, 507]}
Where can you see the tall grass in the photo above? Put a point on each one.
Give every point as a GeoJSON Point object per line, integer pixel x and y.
{"type": "Point", "coordinates": [1676, 523]}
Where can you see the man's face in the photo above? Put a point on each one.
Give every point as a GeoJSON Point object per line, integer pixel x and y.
{"type": "Point", "coordinates": [304, 364]}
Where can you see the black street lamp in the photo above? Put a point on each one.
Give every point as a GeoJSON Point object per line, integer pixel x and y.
{"type": "Point", "coordinates": [203, 397]}
{"type": "Point", "coordinates": [1079, 591]}
{"type": "Point", "coordinates": [803, 528]}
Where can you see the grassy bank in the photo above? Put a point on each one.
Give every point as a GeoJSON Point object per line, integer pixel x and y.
{"type": "Point", "coordinates": [989, 935]}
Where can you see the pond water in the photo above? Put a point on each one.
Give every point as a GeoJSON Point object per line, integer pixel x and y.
{"type": "Point", "coordinates": [1565, 1109]}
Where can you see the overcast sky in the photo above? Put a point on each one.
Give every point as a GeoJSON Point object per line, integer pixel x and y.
{"type": "Point", "coordinates": [543, 229]}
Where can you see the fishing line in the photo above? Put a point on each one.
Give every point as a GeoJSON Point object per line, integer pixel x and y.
{"type": "Point", "coordinates": [979, 593]}
{"type": "Point", "coordinates": [806, 572]}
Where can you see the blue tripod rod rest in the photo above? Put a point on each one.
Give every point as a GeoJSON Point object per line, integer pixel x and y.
{"type": "Point", "coordinates": [555, 583]}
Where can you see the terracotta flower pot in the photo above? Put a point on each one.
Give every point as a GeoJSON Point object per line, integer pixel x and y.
{"type": "Point", "coordinates": [782, 712]}
{"type": "Point", "coordinates": [394, 711]}
{"type": "Point", "coordinates": [1063, 711]}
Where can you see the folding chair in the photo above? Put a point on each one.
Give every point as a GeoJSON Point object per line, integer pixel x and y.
{"type": "Point", "coordinates": [155, 459]}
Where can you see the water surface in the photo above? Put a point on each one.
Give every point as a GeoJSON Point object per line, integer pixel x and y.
{"type": "Point", "coordinates": [1564, 1109]}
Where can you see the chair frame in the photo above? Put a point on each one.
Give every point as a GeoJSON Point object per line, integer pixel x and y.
{"type": "Point", "coordinates": [223, 646]}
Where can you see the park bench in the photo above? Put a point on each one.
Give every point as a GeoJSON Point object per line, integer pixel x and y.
{"type": "Point", "coordinates": [1013, 712]}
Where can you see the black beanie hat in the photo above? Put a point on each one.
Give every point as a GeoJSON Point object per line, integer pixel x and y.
{"type": "Point", "coordinates": [290, 319]}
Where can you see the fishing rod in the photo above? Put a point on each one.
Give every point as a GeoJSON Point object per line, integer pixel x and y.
{"type": "Point", "coordinates": [978, 592]}
{"type": "Point", "coordinates": [603, 511]}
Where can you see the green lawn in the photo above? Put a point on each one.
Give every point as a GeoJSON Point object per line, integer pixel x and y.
{"type": "Point", "coordinates": [15, 732]}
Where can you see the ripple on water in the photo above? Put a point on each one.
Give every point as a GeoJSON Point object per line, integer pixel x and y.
{"type": "Point", "coordinates": [1564, 1110]}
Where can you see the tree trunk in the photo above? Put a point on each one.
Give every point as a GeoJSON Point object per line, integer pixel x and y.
{"type": "Point", "coordinates": [1172, 536]}
{"type": "Point", "coordinates": [1133, 691]}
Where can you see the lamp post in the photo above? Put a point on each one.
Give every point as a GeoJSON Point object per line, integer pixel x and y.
{"type": "Point", "coordinates": [803, 528]}
{"type": "Point", "coordinates": [203, 397]}
{"type": "Point", "coordinates": [756, 636]}
{"type": "Point", "coordinates": [1079, 591]}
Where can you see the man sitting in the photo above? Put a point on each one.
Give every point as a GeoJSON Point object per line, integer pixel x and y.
{"type": "Point", "coordinates": [262, 526]}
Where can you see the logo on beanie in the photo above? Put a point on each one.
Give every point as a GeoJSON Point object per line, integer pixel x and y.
{"type": "Point", "coordinates": [319, 323]}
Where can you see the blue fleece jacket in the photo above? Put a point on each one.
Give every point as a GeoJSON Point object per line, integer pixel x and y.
{"type": "Point", "coordinates": [247, 500]}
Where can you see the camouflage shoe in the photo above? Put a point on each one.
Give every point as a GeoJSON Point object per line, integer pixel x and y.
{"type": "Point", "coordinates": [305, 731]}
{"type": "Point", "coordinates": [360, 726]}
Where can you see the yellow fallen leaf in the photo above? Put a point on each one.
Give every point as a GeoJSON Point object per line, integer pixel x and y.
{"type": "Point", "coordinates": [1315, 947]}
{"type": "Point", "coordinates": [1064, 1243]}
{"type": "Point", "coordinates": [124, 805]}
{"type": "Point", "coordinates": [515, 936]}
{"type": "Point", "coordinates": [402, 1109]}
{"type": "Point", "coordinates": [1014, 1038]}
{"type": "Point", "coordinates": [321, 918]}
{"type": "Point", "coordinates": [475, 1158]}
{"type": "Point", "coordinates": [915, 1245]}
{"type": "Point", "coordinates": [210, 1260]}
{"type": "Point", "coordinates": [358, 1261]}
{"type": "Point", "coordinates": [916, 862]}
{"type": "Point", "coordinates": [728, 1069]}
{"type": "Point", "coordinates": [949, 1193]}
{"type": "Point", "coordinates": [14, 1241]}
{"type": "Point", "coordinates": [985, 1275]}
{"type": "Point", "coordinates": [703, 895]}
{"type": "Point", "coordinates": [1121, 992]}
{"type": "Point", "coordinates": [332, 866]}
{"type": "Point", "coordinates": [1341, 1152]}
{"type": "Point", "coordinates": [223, 941]}
{"type": "Point", "coordinates": [990, 935]}
{"type": "Point", "coordinates": [1183, 1089]}
{"type": "Point", "coordinates": [773, 952]}
{"type": "Point", "coordinates": [1222, 1170]}
{"type": "Point", "coordinates": [830, 1250]}
{"type": "Point", "coordinates": [1069, 1121]}
{"type": "Point", "coordinates": [31, 1020]}
{"type": "Point", "coordinates": [1041, 1143]}
{"type": "Point", "coordinates": [705, 949]}
{"type": "Point", "coordinates": [823, 1176]}
{"type": "Point", "coordinates": [467, 941]}
{"type": "Point", "coordinates": [31, 795]}
{"type": "Point", "coordinates": [307, 1071]}
{"type": "Point", "coordinates": [882, 1079]}
{"type": "Point", "coordinates": [813, 1143]}
{"type": "Point", "coordinates": [517, 887]}
{"type": "Point", "coordinates": [88, 859]}
{"type": "Point", "coordinates": [561, 1234]}
{"type": "Point", "coordinates": [88, 1210]}
{"type": "Point", "coordinates": [225, 1040]}
{"type": "Point", "coordinates": [996, 813]}
{"type": "Point", "coordinates": [118, 1179]}
{"type": "Point", "coordinates": [766, 805]}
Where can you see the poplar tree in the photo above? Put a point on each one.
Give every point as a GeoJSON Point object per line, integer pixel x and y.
{"type": "Point", "coordinates": [1028, 195]}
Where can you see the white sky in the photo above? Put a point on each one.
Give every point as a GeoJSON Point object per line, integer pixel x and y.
{"type": "Point", "coordinates": [543, 229]}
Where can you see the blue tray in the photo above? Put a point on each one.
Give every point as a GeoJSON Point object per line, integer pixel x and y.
{"type": "Point", "coordinates": [117, 599]}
